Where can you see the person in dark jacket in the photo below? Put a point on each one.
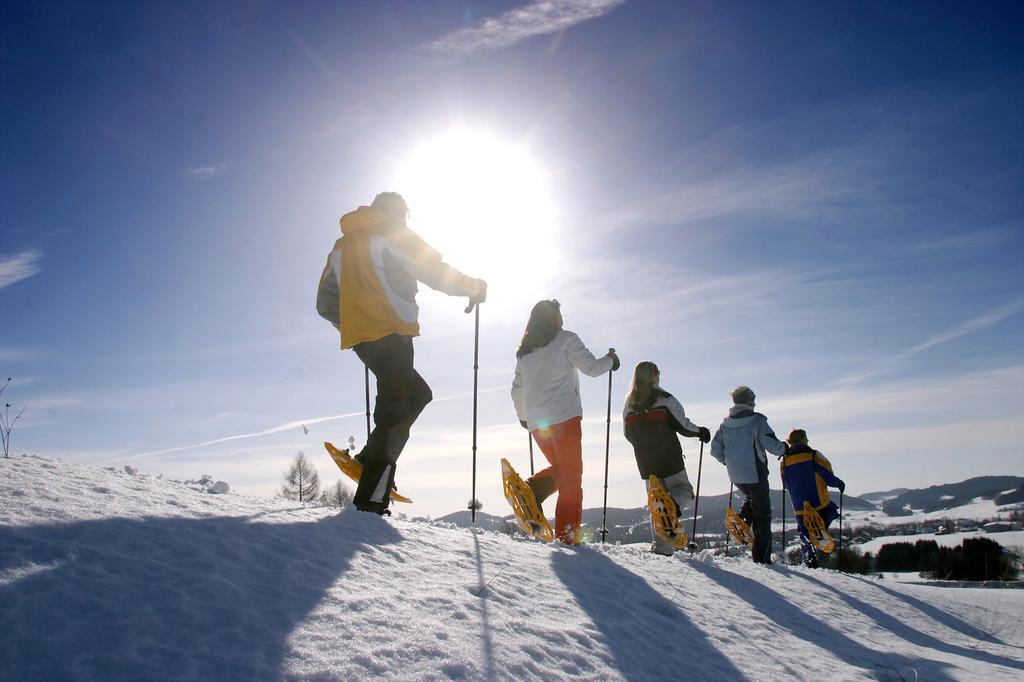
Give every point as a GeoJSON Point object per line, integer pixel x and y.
{"type": "Point", "coordinates": [807, 476]}
{"type": "Point", "coordinates": [741, 444]}
{"type": "Point", "coordinates": [651, 420]}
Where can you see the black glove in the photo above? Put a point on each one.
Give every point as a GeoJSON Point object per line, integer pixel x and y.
{"type": "Point", "coordinates": [704, 435]}
{"type": "Point", "coordinates": [523, 424]}
{"type": "Point", "coordinates": [615, 360]}
{"type": "Point", "coordinates": [842, 487]}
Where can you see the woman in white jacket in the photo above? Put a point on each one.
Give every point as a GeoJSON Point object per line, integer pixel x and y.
{"type": "Point", "coordinates": [546, 394]}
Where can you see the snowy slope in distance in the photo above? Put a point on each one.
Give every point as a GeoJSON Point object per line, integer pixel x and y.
{"type": "Point", "coordinates": [110, 576]}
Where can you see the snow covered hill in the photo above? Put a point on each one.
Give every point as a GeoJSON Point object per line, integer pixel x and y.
{"type": "Point", "coordinates": [106, 575]}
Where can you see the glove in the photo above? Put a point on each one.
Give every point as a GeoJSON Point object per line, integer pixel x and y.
{"type": "Point", "coordinates": [522, 422]}
{"type": "Point", "coordinates": [842, 487]}
{"type": "Point", "coordinates": [615, 360]}
{"type": "Point", "coordinates": [480, 294]}
{"type": "Point", "coordinates": [704, 435]}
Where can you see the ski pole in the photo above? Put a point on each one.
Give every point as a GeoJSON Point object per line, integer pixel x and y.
{"type": "Point", "coordinates": [529, 438]}
{"type": "Point", "coordinates": [783, 476]}
{"type": "Point", "coordinates": [366, 383]}
{"type": "Point", "coordinates": [476, 366]}
{"type": "Point", "coordinates": [607, 444]}
{"type": "Point", "coordinates": [727, 543]}
{"type": "Point", "coordinates": [840, 531]}
{"type": "Point", "coordinates": [696, 501]}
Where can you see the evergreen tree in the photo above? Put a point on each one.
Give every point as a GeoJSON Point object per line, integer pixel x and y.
{"type": "Point", "coordinates": [338, 495]}
{"type": "Point", "coordinates": [301, 483]}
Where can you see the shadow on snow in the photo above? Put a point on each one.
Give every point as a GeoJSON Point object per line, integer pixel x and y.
{"type": "Point", "coordinates": [151, 598]}
{"type": "Point", "coordinates": [642, 629]}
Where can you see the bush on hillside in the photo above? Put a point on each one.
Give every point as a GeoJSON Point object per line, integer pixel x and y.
{"type": "Point", "coordinates": [853, 561]}
{"type": "Point", "coordinates": [974, 559]}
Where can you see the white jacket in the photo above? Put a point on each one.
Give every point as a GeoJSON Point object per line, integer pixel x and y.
{"type": "Point", "coordinates": [546, 389]}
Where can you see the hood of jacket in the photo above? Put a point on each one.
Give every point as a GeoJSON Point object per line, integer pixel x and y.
{"type": "Point", "coordinates": [739, 415]}
{"type": "Point", "coordinates": [363, 218]}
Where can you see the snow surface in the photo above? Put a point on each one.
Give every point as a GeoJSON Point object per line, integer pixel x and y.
{"type": "Point", "coordinates": [106, 575]}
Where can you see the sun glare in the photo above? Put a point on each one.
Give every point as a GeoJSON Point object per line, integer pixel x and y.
{"type": "Point", "coordinates": [485, 204]}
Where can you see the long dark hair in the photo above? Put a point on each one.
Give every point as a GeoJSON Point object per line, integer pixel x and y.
{"type": "Point", "coordinates": [544, 325]}
{"type": "Point", "coordinates": [643, 392]}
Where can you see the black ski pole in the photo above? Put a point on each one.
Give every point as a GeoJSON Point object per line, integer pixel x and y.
{"type": "Point", "coordinates": [366, 383]}
{"type": "Point", "coordinates": [840, 531]}
{"type": "Point", "coordinates": [696, 501]}
{"type": "Point", "coordinates": [607, 444]}
{"type": "Point", "coordinates": [476, 366]}
{"type": "Point", "coordinates": [783, 476]}
{"type": "Point", "coordinates": [529, 438]}
{"type": "Point", "coordinates": [727, 543]}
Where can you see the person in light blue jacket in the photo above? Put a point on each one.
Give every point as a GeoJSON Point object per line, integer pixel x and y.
{"type": "Point", "coordinates": [740, 444]}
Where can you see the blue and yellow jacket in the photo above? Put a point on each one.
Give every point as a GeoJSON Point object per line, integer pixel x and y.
{"type": "Point", "coordinates": [807, 475]}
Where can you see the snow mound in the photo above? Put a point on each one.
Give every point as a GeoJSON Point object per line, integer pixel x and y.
{"type": "Point", "coordinates": [105, 576]}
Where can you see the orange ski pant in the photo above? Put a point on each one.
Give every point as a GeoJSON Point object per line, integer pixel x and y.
{"type": "Point", "coordinates": [562, 445]}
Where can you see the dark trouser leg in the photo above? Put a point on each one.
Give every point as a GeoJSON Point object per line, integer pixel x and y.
{"type": "Point", "coordinates": [761, 513]}
{"type": "Point", "coordinates": [401, 396]}
{"type": "Point", "coordinates": [805, 541]}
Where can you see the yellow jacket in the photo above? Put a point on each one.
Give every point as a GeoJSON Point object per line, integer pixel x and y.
{"type": "Point", "coordinates": [368, 287]}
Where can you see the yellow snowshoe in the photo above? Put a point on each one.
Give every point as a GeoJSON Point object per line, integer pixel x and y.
{"type": "Point", "coordinates": [665, 515]}
{"type": "Point", "coordinates": [738, 528]}
{"type": "Point", "coordinates": [529, 516]}
{"type": "Point", "coordinates": [817, 532]}
{"type": "Point", "coordinates": [354, 469]}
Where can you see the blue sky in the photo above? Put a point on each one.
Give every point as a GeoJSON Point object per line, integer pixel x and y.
{"type": "Point", "coordinates": [821, 200]}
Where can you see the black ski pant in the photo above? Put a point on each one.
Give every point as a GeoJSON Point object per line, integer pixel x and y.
{"type": "Point", "coordinates": [757, 509]}
{"type": "Point", "coordinates": [401, 396]}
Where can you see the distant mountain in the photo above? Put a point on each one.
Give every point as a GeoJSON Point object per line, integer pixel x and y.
{"type": "Point", "coordinates": [1012, 496]}
{"type": "Point", "coordinates": [462, 519]}
{"type": "Point", "coordinates": [949, 495]}
{"type": "Point", "coordinates": [882, 496]}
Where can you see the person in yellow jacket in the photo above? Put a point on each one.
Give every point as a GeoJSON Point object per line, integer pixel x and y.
{"type": "Point", "coordinates": [368, 292]}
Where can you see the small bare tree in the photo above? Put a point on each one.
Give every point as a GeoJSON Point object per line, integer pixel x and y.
{"type": "Point", "coordinates": [339, 495]}
{"type": "Point", "coordinates": [6, 423]}
{"type": "Point", "coordinates": [301, 482]}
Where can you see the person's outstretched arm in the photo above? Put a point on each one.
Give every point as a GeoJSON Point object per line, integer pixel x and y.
{"type": "Point", "coordinates": [424, 263]}
{"type": "Point", "coordinates": [824, 469]}
{"type": "Point", "coordinates": [583, 360]}
{"type": "Point", "coordinates": [678, 419]}
{"type": "Point", "coordinates": [767, 439]}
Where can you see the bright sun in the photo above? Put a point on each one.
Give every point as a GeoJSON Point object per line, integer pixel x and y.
{"type": "Point", "coordinates": [485, 205]}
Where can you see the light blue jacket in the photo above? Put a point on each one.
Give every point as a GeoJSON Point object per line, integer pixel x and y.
{"type": "Point", "coordinates": [741, 442]}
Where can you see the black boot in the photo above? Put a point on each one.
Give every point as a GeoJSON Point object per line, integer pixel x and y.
{"type": "Point", "coordinates": [378, 508]}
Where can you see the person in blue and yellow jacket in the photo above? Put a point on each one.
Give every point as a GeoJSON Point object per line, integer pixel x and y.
{"type": "Point", "coordinates": [368, 292]}
{"type": "Point", "coordinates": [807, 475]}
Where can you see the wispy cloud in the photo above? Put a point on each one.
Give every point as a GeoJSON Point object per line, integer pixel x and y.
{"type": "Point", "coordinates": [204, 172]}
{"type": "Point", "coordinates": [967, 327]}
{"type": "Point", "coordinates": [19, 266]}
{"type": "Point", "coordinates": [295, 424]}
{"type": "Point", "coordinates": [537, 18]}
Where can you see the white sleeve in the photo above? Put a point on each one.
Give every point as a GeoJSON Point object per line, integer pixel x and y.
{"type": "Point", "coordinates": [433, 271]}
{"type": "Point", "coordinates": [675, 408]}
{"type": "Point", "coordinates": [328, 293]}
{"type": "Point", "coordinates": [519, 394]}
{"type": "Point", "coordinates": [583, 360]}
